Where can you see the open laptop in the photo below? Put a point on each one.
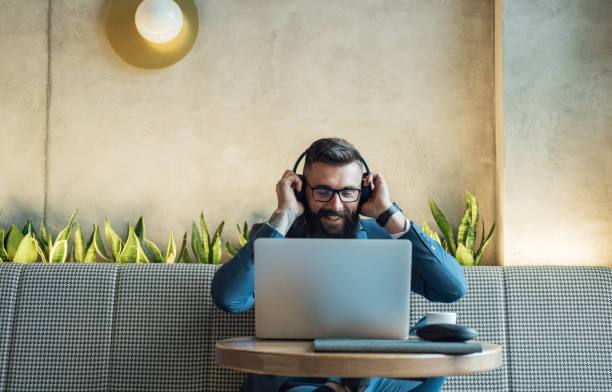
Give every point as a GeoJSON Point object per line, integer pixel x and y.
{"type": "Point", "coordinates": [332, 288]}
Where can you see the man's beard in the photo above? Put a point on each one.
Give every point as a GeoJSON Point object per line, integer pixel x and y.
{"type": "Point", "coordinates": [314, 228]}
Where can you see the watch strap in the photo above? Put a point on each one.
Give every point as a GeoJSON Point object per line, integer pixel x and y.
{"type": "Point", "coordinates": [384, 217]}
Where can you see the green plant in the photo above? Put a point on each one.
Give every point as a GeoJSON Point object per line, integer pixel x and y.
{"type": "Point", "coordinates": [24, 246]}
{"type": "Point", "coordinates": [462, 246]}
{"type": "Point", "coordinates": [136, 248]}
{"type": "Point", "coordinates": [206, 251]}
{"type": "Point", "coordinates": [243, 238]}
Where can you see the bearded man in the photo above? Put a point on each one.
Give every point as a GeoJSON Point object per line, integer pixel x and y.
{"type": "Point", "coordinates": [331, 187]}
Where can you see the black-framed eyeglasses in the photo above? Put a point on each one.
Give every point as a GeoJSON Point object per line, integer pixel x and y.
{"type": "Point", "coordinates": [323, 193]}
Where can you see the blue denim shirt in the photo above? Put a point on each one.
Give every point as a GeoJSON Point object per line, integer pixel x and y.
{"type": "Point", "coordinates": [436, 275]}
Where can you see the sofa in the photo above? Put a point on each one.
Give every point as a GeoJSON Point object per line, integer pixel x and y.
{"type": "Point", "coordinates": [153, 327]}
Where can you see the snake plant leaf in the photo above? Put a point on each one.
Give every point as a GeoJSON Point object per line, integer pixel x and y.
{"type": "Point", "coordinates": [427, 230]}
{"type": "Point", "coordinates": [59, 252]}
{"type": "Point", "coordinates": [197, 246]}
{"type": "Point", "coordinates": [41, 252]}
{"type": "Point", "coordinates": [139, 229]}
{"type": "Point", "coordinates": [183, 254]}
{"type": "Point", "coordinates": [79, 245]}
{"type": "Point", "coordinates": [3, 254]}
{"type": "Point", "coordinates": [445, 245]}
{"type": "Point", "coordinates": [45, 238]}
{"type": "Point", "coordinates": [474, 216]}
{"type": "Point", "coordinates": [463, 225]}
{"type": "Point", "coordinates": [67, 231]}
{"type": "Point", "coordinates": [204, 228]}
{"type": "Point", "coordinates": [216, 251]}
{"type": "Point", "coordinates": [443, 225]}
{"type": "Point", "coordinates": [484, 244]}
{"type": "Point", "coordinates": [142, 256]}
{"type": "Point", "coordinates": [464, 256]}
{"type": "Point", "coordinates": [131, 250]}
{"type": "Point", "coordinates": [114, 240]}
{"type": "Point", "coordinates": [27, 229]}
{"type": "Point", "coordinates": [205, 239]}
{"type": "Point", "coordinates": [98, 244]}
{"type": "Point", "coordinates": [13, 239]}
{"type": "Point", "coordinates": [230, 249]}
{"type": "Point", "coordinates": [156, 255]}
{"type": "Point", "coordinates": [91, 255]}
{"type": "Point", "coordinates": [26, 252]}
{"type": "Point", "coordinates": [171, 250]}
{"type": "Point", "coordinates": [243, 237]}
{"type": "Point", "coordinates": [219, 230]}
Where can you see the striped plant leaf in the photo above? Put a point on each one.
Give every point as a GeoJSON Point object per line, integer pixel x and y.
{"type": "Point", "coordinates": [443, 225]}
{"type": "Point", "coordinates": [156, 255]}
{"type": "Point", "coordinates": [13, 239]}
{"type": "Point", "coordinates": [131, 250]}
{"type": "Point", "coordinates": [96, 241]}
{"type": "Point", "coordinates": [216, 250]}
{"type": "Point", "coordinates": [197, 245]}
{"type": "Point", "coordinates": [139, 229]}
{"type": "Point", "coordinates": [3, 254]}
{"type": "Point", "coordinates": [463, 225]}
{"type": "Point", "coordinates": [59, 252]}
{"type": "Point", "coordinates": [171, 250]}
{"type": "Point", "coordinates": [79, 245]}
{"type": "Point", "coordinates": [484, 244]}
{"type": "Point", "coordinates": [464, 256]}
{"type": "Point", "coordinates": [114, 240]}
{"type": "Point", "coordinates": [27, 229]}
{"type": "Point", "coordinates": [45, 238]}
{"type": "Point", "coordinates": [205, 238]}
{"type": "Point", "coordinates": [67, 231]}
{"type": "Point", "coordinates": [26, 252]}
{"type": "Point", "coordinates": [183, 254]}
{"type": "Point", "coordinates": [473, 226]}
{"type": "Point", "coordinates": [41, 252]}
{"type": "Point", "coordinates": [142, 256]}
{"type": "Point", "coordinates": [230, 249]}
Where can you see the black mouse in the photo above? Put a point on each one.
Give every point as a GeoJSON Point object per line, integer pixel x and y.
{"type": "Point", "coordinates": [445, 332]}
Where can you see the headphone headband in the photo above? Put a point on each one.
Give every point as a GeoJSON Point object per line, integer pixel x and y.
{"type": "Point", "coordinates": [304, 153]}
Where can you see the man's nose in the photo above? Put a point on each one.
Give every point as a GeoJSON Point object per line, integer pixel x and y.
{"type": "Point", "coordinates": [335, 202]}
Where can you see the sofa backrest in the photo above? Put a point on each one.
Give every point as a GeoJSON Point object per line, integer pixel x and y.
{"type": "Point", "coordinates": [153, 327]}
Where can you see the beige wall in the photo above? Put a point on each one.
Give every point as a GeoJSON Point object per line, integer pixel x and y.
{"type": "Point", "coordinates": [410, 83]}
{"type": "Point", "coordinates": [557, 97]}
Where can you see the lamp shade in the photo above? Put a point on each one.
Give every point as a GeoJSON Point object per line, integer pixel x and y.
{"type": "Point", "coordinates": [133, 27]}
{"type": "Point", "coordinates": [159, 21]}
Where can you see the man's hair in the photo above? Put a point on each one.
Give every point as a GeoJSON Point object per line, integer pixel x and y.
{"type": "Point", "coordinates": [332, 151]}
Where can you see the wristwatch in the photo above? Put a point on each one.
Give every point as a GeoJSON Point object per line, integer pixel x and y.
{"type": "Point", "coordinates": [384, 217]}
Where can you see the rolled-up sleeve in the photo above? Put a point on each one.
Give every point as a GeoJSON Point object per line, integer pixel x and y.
{"type": "Point", "coordinates": [436, 274]}
{"type": "Point", "coordinates": [233, 285]}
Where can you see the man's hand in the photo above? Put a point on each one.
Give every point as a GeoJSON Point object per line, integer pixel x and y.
{"type": "Point", "coordinates": [380, 199]}
{"type": "Point", "coordinates": [289, 207]}
{"type": "Point", "coordinates": [379, 202]}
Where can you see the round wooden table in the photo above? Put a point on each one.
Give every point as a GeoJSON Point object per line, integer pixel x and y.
{"type": "Point", "coordinates": [297, 358]}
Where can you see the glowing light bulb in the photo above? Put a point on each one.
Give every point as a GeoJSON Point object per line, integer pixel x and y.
{"type": "Point", "coordinates": [159, 21]}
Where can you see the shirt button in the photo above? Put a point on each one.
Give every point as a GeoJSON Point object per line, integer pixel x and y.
{"type": "Point", "coordinates": [433, 247]}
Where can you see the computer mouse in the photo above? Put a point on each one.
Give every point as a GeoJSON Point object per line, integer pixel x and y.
{"type": "Point", "coordinates": [445, 332]}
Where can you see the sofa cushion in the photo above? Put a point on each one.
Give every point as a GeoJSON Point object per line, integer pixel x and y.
{"type": "Point", "coordinates": [482, 308]}
{"type": "Point", "coordinates": [161, 328]}
{"type": "Point", "coordinates": [60, 330]}
{"type": "Point", "coordinates": [9, 283]}
{"type": "Point", "coordinates": [560, 328]}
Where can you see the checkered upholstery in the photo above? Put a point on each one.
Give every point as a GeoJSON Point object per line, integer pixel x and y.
{"type": "Point", "coordinates": [153, 327]}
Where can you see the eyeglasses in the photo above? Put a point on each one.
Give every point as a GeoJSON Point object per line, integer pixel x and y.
{"type": "Point", "coordinates": [347, 195]}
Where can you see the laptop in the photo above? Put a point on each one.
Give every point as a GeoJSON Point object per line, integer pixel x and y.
{"type": "Point", "coordinates": [332, 288]}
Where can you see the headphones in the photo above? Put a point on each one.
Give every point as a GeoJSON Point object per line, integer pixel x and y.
{"type": "Point", "coordinates": [366, 191]}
